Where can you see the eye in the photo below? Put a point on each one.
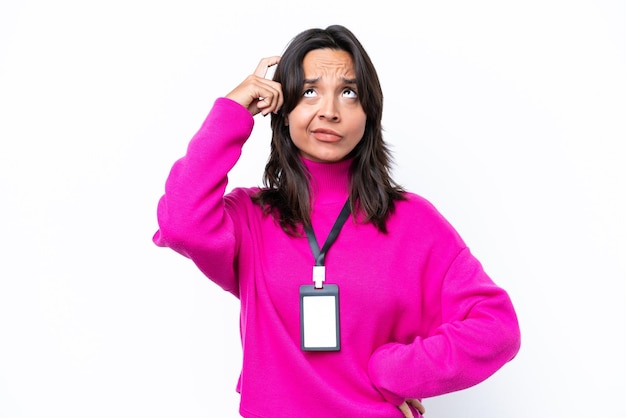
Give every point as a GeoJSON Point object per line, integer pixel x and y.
{"type": "Point", "coordinates": [349, 93]}
{"type": "Point", "coordinates": [309, 93]}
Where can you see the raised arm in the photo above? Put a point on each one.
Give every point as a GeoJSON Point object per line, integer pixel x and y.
{"type": "Point", "coordinates": [192, 216]}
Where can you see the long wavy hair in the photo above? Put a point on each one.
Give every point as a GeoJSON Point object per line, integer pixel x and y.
{"type": "Point", "coordinates": [286, 194]}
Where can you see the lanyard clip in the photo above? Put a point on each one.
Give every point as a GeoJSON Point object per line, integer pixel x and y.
{"type": "Point", "coordinates": [319, 275]}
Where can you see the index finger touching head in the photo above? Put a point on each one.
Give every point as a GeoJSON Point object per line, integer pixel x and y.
{"type": "Point", "coordinates": [264, 64]}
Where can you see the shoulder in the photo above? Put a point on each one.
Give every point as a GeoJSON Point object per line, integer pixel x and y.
{"type": "Point", "coordinates": [417, 205]}
{"type": "Point", "coordinates": [420, 215]}
{"type": "Point", "coordinates": [240, 197]}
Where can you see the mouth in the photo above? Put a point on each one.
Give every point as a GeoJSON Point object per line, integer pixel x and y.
{"type": "Point", "coordinates": [326, 135]}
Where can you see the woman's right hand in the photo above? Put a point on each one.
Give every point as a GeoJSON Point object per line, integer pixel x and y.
{"type": "Point", "coordinates": [257, 93]}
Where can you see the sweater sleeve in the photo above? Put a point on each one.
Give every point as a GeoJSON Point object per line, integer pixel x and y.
{"type": "Point", "coordinates": [191, 215]}
{"type": "Point", "coordinates": [478, 333]}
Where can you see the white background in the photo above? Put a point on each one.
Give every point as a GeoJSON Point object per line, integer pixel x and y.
{"type": "Point", "coordinates": [508, 115]}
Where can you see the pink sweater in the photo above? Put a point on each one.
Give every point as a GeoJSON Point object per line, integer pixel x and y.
{"type": "Point", "coordinates": [419, 316]}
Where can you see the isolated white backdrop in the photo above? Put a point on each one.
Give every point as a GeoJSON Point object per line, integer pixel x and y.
{"type": "Point", "coordinates": [508, 116]}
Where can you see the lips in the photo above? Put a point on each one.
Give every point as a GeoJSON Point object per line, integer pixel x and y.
{"type": "Point", "coordinates": [326, 135]}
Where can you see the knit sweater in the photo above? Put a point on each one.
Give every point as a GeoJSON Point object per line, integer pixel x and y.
{"type": "Point", "coordinates": [419, 317]}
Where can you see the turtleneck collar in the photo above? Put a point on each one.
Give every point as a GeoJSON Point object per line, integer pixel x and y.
{"type": "Point", "coordinates": [330, 181]}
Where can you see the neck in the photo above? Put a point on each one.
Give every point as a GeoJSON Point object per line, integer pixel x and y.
{"type": "Point", "coordinates": [330, 182]}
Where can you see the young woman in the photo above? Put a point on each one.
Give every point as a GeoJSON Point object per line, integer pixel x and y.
{"type": "Point", "coordinates": [358, 299]}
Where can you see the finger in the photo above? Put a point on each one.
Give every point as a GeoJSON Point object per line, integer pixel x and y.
{"type": "Point", "coordinates": [270, 98]}
{"type": "Point", "coordinates": [415, 403]}
{"type": "Point", "coordinates": [269, 101]}
{"type": "Point", "coordinates": [264, 64]}
{"type": "Point", "coordinates": [406, 411]}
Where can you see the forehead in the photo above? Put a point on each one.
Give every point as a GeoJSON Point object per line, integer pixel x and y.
{"type": "Point", "coordinates": [328, 62]}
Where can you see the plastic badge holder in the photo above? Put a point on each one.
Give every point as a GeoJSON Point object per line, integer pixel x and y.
{"type": "Point", "coordinates": [319, 318]}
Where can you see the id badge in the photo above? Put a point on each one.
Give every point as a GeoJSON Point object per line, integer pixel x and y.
{"type": "Point", "coordinates": [319, 318]}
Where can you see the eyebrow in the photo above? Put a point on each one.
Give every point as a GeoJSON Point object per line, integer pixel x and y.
{"type": "Point", "coordinates": [314, 80]}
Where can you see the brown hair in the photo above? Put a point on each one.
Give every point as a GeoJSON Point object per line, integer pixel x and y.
{"type": "Point", "coordinates": [287, 193]}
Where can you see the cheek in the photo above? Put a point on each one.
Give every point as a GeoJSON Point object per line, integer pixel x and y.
{"type": "Point", "coordinates": [298, 121]}
{"type": "Point", "coordinates": [296, 134]}
{"type": "Point", "coordinates": [358, 125]}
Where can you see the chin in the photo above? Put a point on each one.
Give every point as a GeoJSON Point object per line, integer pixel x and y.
{"type": "Point", "coordinates": [325, 157]}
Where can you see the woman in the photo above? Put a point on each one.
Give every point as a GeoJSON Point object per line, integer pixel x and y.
{"type": "Point", "coordinates": [411, 312]}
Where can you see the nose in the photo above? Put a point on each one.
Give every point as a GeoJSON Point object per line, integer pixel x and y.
{"type": "Point", "coordinates": [329, 109]}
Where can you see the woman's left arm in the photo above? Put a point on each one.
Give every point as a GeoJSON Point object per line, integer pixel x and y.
{"type": "Point", "coordinates": [478, 334]}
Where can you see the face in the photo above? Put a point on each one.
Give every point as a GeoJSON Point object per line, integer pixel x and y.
{"type": "Point", "coordinates": [328, 121]}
